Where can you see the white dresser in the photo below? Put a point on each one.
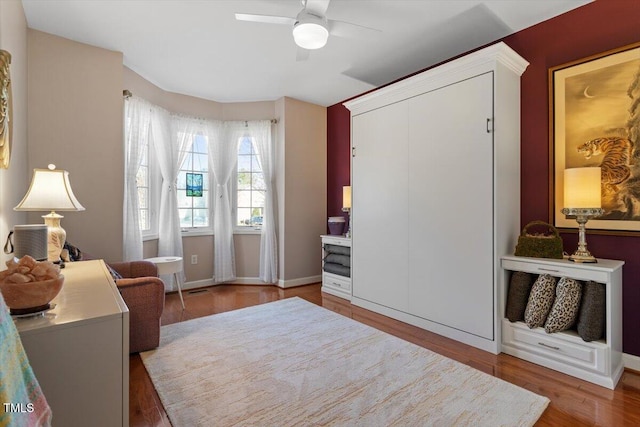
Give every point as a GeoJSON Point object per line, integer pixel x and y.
{"type": "Point", "coordinates": [79, 350]}
{"type": "Point", "coordinates": [599, 362]}
{"type": "Point", "coordinates": [336, 284]}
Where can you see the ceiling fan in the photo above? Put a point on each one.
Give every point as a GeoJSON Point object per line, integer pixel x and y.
{"type": "Point", "coordinates": [311, 28]}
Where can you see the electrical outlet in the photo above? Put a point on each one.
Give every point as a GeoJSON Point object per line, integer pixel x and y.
{"type": "Point", "coordinates": [194, 259]}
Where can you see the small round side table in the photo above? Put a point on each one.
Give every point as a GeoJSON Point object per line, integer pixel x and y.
{"type": "Point", "coordinates": [169, 265]}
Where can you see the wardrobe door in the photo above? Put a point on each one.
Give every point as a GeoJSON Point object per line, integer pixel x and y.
{"type": "Point", "coordinates": [451, 249]}
{"type": "Point", "coordinates": [379, 198]}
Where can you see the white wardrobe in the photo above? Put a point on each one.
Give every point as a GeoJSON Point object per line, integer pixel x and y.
{"type": "Point", "coordinates": [436, 194]}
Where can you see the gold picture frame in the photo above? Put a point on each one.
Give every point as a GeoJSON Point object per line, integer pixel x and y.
{"type": "Point", "coordinates": [594, 120]}
{"type": "Point", "coordinates": [6, 110]}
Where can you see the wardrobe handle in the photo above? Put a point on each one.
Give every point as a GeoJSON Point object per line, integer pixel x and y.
{"type": "Point", "coordinates": [488, 125]}
{"type": "Point", "coordinates": [353, 151]}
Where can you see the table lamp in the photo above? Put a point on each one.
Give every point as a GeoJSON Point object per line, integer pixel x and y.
{"type": "Point", "coordinates": [50, 189]}
{"type": "Point", "coordinates": [346, 205]}
{"type": "Point", "coordinates": [582, 199]}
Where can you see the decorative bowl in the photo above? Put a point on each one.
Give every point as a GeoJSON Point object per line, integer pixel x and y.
{"type": "Point", "coordinates": [30, 297]}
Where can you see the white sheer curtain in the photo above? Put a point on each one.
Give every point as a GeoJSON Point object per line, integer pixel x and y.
{"type": "Point", "coordinates": [170, 149]}
{"type": "Point", "coordinates": [261, 133]}
{"type": "Point", "coordinates": [223, 155]}
{"type": "Point", "coordinates": [137, 121]}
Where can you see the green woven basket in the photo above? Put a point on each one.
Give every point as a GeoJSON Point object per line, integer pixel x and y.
{"type": "Point", "coordinates": [539, 245]}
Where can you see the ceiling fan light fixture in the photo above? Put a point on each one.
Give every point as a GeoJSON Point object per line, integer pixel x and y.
{"type": "Point", "coordinates": [310, 32]}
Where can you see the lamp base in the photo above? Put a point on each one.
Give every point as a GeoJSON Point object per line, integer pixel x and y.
{"type": "Point", "coordinates": [348, 233]}
{"type": "Point", "coordinates": [583, 258]}
{"type": "Point", "coordinates": [56, 235]}
{"type": "Point", "coordinates": [582, 215]}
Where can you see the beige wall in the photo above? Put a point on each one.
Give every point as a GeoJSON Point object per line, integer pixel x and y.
{"type": "Point", "coordinates": [247, 245]}
{"type": "Point", "coordinates": [301, 183]}
{"type": "Point", "coordinates": [15, 180]}
{"type": "Point", "coordinates": [305, 190]}
{"type": "Point", "coordinates": [75, 122]}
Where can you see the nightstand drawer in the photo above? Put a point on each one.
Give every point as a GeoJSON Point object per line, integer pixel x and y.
{"type": "Point", "coordinates": [565, 347]}
{"type": "Point", "coordinates": [337, 240]}
{"type": "Point", "coordinates": [336, 281]}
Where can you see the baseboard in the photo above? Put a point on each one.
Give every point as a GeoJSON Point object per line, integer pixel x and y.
{"type": "Point", "coordinates": [211, 282]}
{"type": "Point", "coordinates": [197, 284]}
{"type": "Point", "coordinates": [249, 281]}
{"type": "Point", "coordinates": [631, 362]}
{"type": "Point", "coordinates": [299, 282]}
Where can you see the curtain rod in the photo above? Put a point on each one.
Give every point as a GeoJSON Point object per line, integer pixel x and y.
{"type": "Point", "coordinates": [126, 93]}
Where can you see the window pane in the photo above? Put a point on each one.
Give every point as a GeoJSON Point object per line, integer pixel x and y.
{"type": "Point", "coordinates": [200, 144]}
{"type": "Point", "coordinates": [185, 218]}
{"type": "Point", "coordinates": [144, 220]}
{"type": "Point", "coordinates": [182, 180]}
{"type": "Point", "coordinates": [200, 162]}
{"type": "Point", "coordinates": [245, 146]}
{"type": "Point", "coordinates": [187, 164]}
{"type": "Point", "coordinates": [143, 198]}
{"type": "Point", "coordinates": [258, 181]}
{"type": "Point", "coordinates": [142, 177]}
{"type": "Point", "coordinates": [205, 181]}
{"type": "Point", "coordinates": [257, 199]}
{"type": "Point", "coordinates": [244, 198]}
{"type": "Point", "coordinates": [244, 216]}
{"type": "Point", "coordinates": [145, 155]}
{"type": "Point", "coordinates": [244, 163]}
{"type": "Point", "coordinates": [183, 200]}
{"type": "Point", "coordinates": [201, 202]}
{"type": "Point", "coordinates": [255, 164]}
{"type": "Point", "coordinates": [200, 218]}
{"type": "Point", "coordinates": [244, 181]}
{"type": "Point", "coordinates": [256, 218]}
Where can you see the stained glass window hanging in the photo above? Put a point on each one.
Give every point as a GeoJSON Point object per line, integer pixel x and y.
{"type": "Point", "coordinates": [194, 185]}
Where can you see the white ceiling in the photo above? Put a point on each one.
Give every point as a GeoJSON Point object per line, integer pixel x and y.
{"type": "Point", "coordinates": [196, 47]}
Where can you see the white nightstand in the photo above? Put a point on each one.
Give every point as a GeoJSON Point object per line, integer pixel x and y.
{"type": "Point", "coordinates": [169, 265]}
{"type": "Point", "coordinates": [332, 283]}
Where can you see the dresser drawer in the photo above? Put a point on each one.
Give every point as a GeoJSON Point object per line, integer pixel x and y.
{"type": "Point", "coordinates": [562, 347]}
{"type": "Point", "coordinates": [336, 281]}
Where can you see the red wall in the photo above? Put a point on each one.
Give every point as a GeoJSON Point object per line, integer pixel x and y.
{"type": "Point", "coordinates": [591, 29]}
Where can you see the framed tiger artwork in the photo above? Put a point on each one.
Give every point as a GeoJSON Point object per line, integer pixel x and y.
{"type": "Point", "coordinates": [594, 121]}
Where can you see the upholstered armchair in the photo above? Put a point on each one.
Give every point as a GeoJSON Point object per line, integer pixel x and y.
{"type": "Point", "coordinates": [143, 292]}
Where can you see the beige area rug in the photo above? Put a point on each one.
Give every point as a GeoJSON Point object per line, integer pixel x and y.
{"type": "Point", "coordinates": [292, 363]}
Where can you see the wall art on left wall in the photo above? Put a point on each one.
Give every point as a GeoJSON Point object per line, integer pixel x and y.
{"type": "Point", "coordinates": [5, 110]}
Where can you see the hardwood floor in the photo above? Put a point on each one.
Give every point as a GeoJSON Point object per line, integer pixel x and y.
{"type": "Point", "coordinates": [573, 402]}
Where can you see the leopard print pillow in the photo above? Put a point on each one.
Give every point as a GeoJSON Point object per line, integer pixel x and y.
{"type": "Point", "coordinates": [564, 311]}
{"type": "Point", "coordinates": [540, 301]}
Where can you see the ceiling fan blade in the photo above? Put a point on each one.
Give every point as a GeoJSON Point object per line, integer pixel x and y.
{"type": "Point", "coordinates": [317, 7]}
{"type": "Point", "coordinates": [349, 30]}
{"type": "Point", "coordinates": [302, 54]}
{"type": "Point", "coordinates": [267, 19]}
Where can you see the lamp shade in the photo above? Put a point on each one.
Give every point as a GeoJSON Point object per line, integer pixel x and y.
{"type": "Point", "coordinates": [346, 196]}
{"type": "Point", "coordinates": [50, 190]}
{"type": "Point", "coordinates": [582, 188]}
